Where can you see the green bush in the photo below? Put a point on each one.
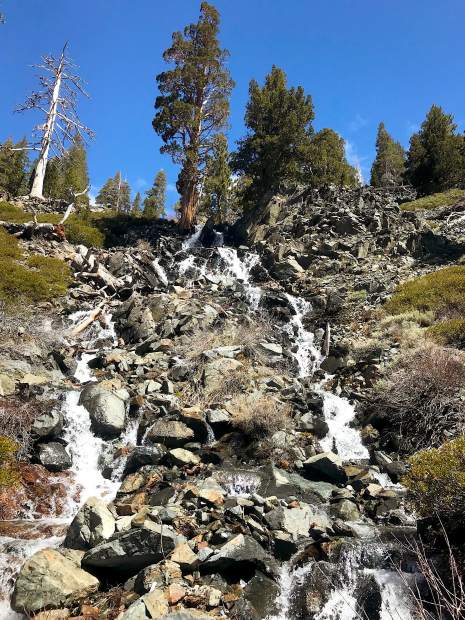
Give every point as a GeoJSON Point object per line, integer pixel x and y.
{"type": "Point", "coordinates": [440, 291]}
{"type": "Point", "coordinates": [80, 231]}
{"type": "Point", "coordinates": [9, 474]}
{"type": "Point", "coordinates": [450, 332]}
{"type": "Point", "coordinates": [443, 199]}
{"type": "Point", "coordinates": [436, 480]}
{"type": "Point", "coordinates": [39, 278]}
{"type": "Point", "coordinates": [11, 213]}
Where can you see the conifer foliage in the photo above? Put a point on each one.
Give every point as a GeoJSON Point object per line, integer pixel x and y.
{"type": "Point", "coordinates": [14, 167]}
{"type": "Point", "coordinates": [115, 194]}
{"type": "Point", "coordinates": [217, 186]}
{"type": "Point", "coordinates": [154, 203]}
{"type": "Point", "coordinates": [136, 205]}
{"type": "Point", "coordinates": [327, 163]}
{"type": "Point", "coordinates": [193, 104]}
{"type": "Point", "coordinates": [436, 161]}
{"type": "Point", "coordinates": [279, 122]}
{"type": "Point", "coordinates": [389, 166]}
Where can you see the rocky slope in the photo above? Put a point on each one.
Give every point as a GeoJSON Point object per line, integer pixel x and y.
{"type": "Point", "coordinates": [210, 465]}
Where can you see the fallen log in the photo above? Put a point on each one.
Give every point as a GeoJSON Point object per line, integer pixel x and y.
{"type": "Point", "coordinates": [31, 229]}
{"type": "Point", "coordinates": [87, 321]}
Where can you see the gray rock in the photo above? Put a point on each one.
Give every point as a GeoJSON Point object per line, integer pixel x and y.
{"type": "Point", "coordinates": [172, 434]}
{"type": "Point", "coordinates": [345, 510]}
{"type": "Point", "coordinates": [144, 455]}
{"type": "Point", "coordinates": [48, 579]}
{"type": "Point", "coordinates": [326, 466]}
{"type": "Point", "coordinates": [107, 411]}
{"type": "Point", "coordinates": [53, 456]}
{"type": "Point", "coordinates": [133, 550]}
{"type": "Point", "coordinates": [93, 524]}
{"type": "Point", "coordinates": [48, 424]}
{"type": "Point", "coordinates": [297, 521]}
{"type": "Point", "coordinates": [238, 552]}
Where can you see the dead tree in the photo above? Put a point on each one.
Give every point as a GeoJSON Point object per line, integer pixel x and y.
{"type": "Point", "coordinates": [57, 101]}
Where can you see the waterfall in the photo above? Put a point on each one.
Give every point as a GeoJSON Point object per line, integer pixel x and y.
{"type": "Point", "coordinates": [289, 580]}
{"type": "Point", "coordinates": [306, 355]}
{"type": "Point", "coordinates": [241, 270]}
{"type": "Point", "coordinates": [193, 240]}
{"type": "Point", "coordinates": [339, 413]}
{"type": "Point", "coordinates": [86, 478]}
{"type": "Point", "coordinates": [161, 273]}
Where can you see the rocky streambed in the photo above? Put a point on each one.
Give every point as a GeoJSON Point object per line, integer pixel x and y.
{"type": "Point", "coordinates": [211, 466]}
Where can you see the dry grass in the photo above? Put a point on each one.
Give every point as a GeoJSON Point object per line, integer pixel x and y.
{"type": "Point", "coordinates": [422, 397]}
{"type": "Point", "coordinates": [16, 420]}
{"type": "Point", "coordinates": [259, 415]}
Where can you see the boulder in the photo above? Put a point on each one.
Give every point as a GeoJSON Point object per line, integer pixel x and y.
{"type": "Point", "coordinates": [130, 551]}
{"type": "Point", "coordinates": [238, 553]}
{"type": "Point", "coordinates": [326, 466]}
{"type": "Point", "coordinates": [182, 457]}
{"type": "Point", "coordinates": [49, 424]}
{"type": "Point", "coordinates": [297, 521]}
{"type": "Point", "coordinates": [185, 557]}
{"type": "Point", "coordinates": [171, 433]}
{"type": "Point", "coordinates": [144, 455]}
{"type": "Point", "coordinates": [93, 524]}
{"type": "Point", "coordinates": [107, 411]}
{"type": "Point", "coordinates": [345, 510]}
{"type": "Point", "coordinates": [53, 456]}
{"type": "Point", "coordinates": [217, 371]}
{"type": "Point", "coordinates": [49, 579]}
{"type": "Point", "coordinates": [151, 605]}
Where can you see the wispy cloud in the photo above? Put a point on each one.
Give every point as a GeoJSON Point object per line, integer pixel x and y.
{"type": "Point", "coordinates": [358, 123]}
{"type": "Point", "coordinates": [171, 188]}
{"type": "Point", "coordinates": [140, 183]}
{"type": "Point", "coordinates": [356, 160]}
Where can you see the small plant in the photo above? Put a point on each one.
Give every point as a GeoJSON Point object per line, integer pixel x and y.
{"type": "Point", "coordinates": [9, 475]}
{"type": "Point", "coordinates": [258, 415]}
{"type": "Point", "coordinates": [421, 399]}
{"type": "Point", "coordinates": [442, 199]}
{"type": "Point", "coordinates": [450, 332]}
{"type": "Point", "coordinates": [436, 480]}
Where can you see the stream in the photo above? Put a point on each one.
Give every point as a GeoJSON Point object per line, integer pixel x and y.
{"type": "Point", "coordinates": [29, 534]}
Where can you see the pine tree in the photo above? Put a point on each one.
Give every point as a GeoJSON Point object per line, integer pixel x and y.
{"type": "Point", "coordinates": [279, 122]}
{"type": "Point", "coordinates": [193, 104]}
{"type": "Point", "coordinates": [389, 166]}
{"type": "Point", "coordinates": [115, 194]}
{"type": "Point", "coordinates": [75, 174]}
{"type": "Point", "coordinates": [154, 203]}
{"type": "Point", "coordinates": [53, 180]}
{"type": "Point", "coordinates": [327, 163]}
{"type": "Point", "coordinates": [14, 167]}
{"type": "Point", "coordinates": [217, 184]}
{"type": "Point", "coordinates": [136, 205]}
{"type": "Point", "coordinates": [434, 160]}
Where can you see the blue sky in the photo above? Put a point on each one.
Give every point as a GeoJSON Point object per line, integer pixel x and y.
{"type": "Point", "coordinates": [361, 60]}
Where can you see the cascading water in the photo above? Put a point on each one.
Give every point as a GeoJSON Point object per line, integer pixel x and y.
{"type": "Point", "coordinates": [241, 270]}
{"type": "Point", "coordinates": [341, 603]}
{"type": "Point", "coordinates": [86, 478]}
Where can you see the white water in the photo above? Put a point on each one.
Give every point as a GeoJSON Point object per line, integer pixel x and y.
{"type": "Point", "coordinates": [339, 413]}
{"type": "Point", "coordinates": [240, 484]}
{"type": "Point", "coordinates": [86, 477]}
{"type": "Point", "coordinates": [307, 355]}
{"type": "Point", "coordinates": [289, 580]}
{"type": "Point", "coordinates": [161, 273]}
{"type": "Point", "coordinates": [193, 240]}
{"type": "Point", "coordinates": [241, 270]}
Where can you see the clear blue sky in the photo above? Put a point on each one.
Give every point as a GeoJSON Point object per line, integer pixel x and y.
{"type": "Point", "coordinates": [361, 60]}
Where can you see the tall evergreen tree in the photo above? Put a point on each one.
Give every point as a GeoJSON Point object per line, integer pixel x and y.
{"type": "Point", "coordinates": [154, 203]}
{"type": "Point", "coordinates": [115, 194]}
{"type": "Point", "coordinates": [389, 166]}
{"type": "Point", "coordinates": [217, 184]}
{"type": "Point", "coordinates": [434, 160]}
{"type": "Point", "coordinates": [53, 180]}
{"type": "Point", "coordinates": [14, 167]}
{"type": "Point", "coordinates": [193, 104]}
{"type": "Point", "coordinates": [327, 163]}
{"type": "Point", "coordinates": [136, 205]}
{"type": "Point", "coordinates": [279, 123]}
{"type": "Point", "coordinates": [75, 174]}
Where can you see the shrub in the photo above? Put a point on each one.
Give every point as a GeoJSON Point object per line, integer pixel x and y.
{"type": "Point", "coordinates": [16, 215]}
{"type": "Point", "coordinates": [421, 400]}
{"type": "Point", "coordinates": [442, 291]}
{"type": "Point", "coordinates": [443, 199]}
{"type": "Point", "coordinates": [450, 332]}
{"type": "Point", "coordinates": [436, 480]}
{"type": "Point", "coordinates": [80, 231]}
{"type": "Point", "coordinates": [40, 278]}
{"type": "Point", "coordinates": [9, 474]}
{"type": "Point", "coordinates": [258, 415]}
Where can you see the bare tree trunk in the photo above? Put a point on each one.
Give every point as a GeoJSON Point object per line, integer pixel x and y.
{"type": "Point", "coordinates": [188, 206]}
{"type": "Point", "coordinates": [39, 173]}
